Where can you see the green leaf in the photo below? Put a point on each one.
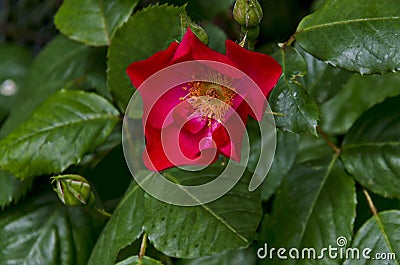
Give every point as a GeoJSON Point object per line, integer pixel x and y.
{"type": "Point", "coordinates": [380, 234]}
{"type": "Point", "coordinates": [135, 261]}
{"type": "Point", "coordinates": [312, 148]}
{"type": "Point", "coordinates": [315, 206]}
{"type": "Point", "coordinates": [322, 80]}
{"type": "Point", "coordinates": [232, 257]}
{"type": "Point", "coordinates": [216, 37]}
{"type": "Point", "coordinates": [40, 231]}
{"type": "Point", "coordinates": [14, 64]}
{"type": "Point", "coordinates": [146, 32]}
{"type": "Point", "coordinates": [197, 30]}
{"type": "Point", "coordinates": [188, 232]}
{"type": "Point", "coordinates": [122, 229]}
{"type": "Point", "coordinates": [93, 22]}
{"type": "Point", "coordinates": [227, 223]}
{"type": "Point", "coordinates": [297, 111]}
{"type": "Point", "coordinates": [284, 158]}
{"type": "Point", "coordinates": [364, 205]}
{"type": "Point", "coordinates": [11, 188]}
{"type": "Point", "coordinates": [371, 149]}
{"type": "Point", "coordinates": [360, 93]}
{"type": "Point", "coordinates": [60, 62]}
{"type": "Point", "coordinates": [50, 141]}
{"type": "Point", "coordinates": [358, 35]}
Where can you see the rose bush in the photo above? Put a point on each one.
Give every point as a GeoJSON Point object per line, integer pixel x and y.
{"type": "Point", "coordinates": [199, 108]}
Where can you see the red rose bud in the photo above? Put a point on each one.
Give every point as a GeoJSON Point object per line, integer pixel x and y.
{"type": "Point", "coordinates": [73, 190]}
{"type": "Point", "coordinates": [193, 116]}
{"type": "Point", "coordinates": [247, 13]}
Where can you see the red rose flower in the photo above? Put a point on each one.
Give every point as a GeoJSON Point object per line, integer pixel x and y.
{"type": "Point", "coordinates": [188, 124]}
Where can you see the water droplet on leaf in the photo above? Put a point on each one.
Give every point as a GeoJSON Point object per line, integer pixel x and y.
{"type": "Point", "coordinates": [8, 88]}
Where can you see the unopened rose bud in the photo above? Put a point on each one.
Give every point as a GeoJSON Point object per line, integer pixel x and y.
{"type": "Point", "coordinates": [73, 190]}
{"type": "Point", "coordinates": [247, 13]}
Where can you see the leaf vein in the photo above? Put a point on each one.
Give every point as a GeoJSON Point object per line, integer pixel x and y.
{"type": "Point", "coordinates": [344, 22]}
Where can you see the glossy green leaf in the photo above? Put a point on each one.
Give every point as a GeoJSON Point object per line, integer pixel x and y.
{"type": "Point", "coordinates": [297, 112]}
{"type": "Point", "coordinates": [93, 22]}
{"type": "Point", "coordinates": [40, 231]}
{"type": "Point", "coordinates": [314, 207]}
{"type": "Point", "coordinates": [232, 257]}
{"type": "Point", "coordinates": [285, 155]}
{"type": "Point", "coordinates": [124, 227]}
{"type": "Point", "coordinates": [59, 133]}
{"type": "Point", "coordinates": [371, 149]}
{"type": "Point", "coordinates": [359, 94]}
{"type": "Point", "coordinates": [312, 148]}
{"type": "Point", "coordinates": [322, 80]}
{"type": "Point", "coordinates": [11, 188]}
{"type": "Point", "coordinates": [381, 235]}
{"type": "Point", "coordinates": [14, 63]}
{"type": "Point", "coordinates": [135, 261]}
{"type": "Point", "coordinates": [188, 232]}
{"type": "Point", "coordinates": [146, 32]}
{"type": "Point", "coordinates": [61, 62]}
{"type": "Point", "coordinates": [113, 140]}
{"type": "Point", "coordinates": [358, 35]}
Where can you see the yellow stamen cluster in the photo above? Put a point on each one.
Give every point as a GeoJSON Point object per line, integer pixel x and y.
{"type": "Point", "coordinates": [210, 100]}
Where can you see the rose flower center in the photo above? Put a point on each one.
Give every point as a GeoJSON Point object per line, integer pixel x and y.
{"type": "Point", "coordinates": [210, 100]}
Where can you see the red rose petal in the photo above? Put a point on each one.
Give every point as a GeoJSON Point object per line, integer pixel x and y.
{"type": "Point", "coordinates": [159, 114]}
{"type": "Point", "coordinates": [139, 71]}
{"type": "Point", "coordinates": [191, 48]}
{"type": "Point", "coordinates": [263, 69]}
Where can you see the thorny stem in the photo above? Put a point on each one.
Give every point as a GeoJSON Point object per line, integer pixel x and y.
{"type": "Point", "coordinates": [143, 247]}
{"type": "Point", "coordinates": [328, 140]}
{"type": "Point", "coordinates": [370, 202]}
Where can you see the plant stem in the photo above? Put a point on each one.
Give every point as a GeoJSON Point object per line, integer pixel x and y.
{"type": "Point", "coordinates": [249, 45]}
{"type": "Point", "coordinates": [328, 140]}
{"type": "Point", "coordinates": [370, 202]}
{"type": "Point", "coordinates": [289, 42]}
{"type": "Point", "coordinates": [143, 247]}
